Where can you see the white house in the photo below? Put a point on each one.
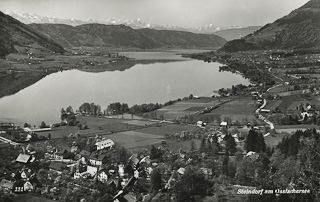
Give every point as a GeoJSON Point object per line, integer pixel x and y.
{"type": "Point", "coordinates": [85, 171]}
{"type": "Point", "coordinates": [104, 144]}
{"type": "Point", "coordinates": [252, 155]}
{"type": "Point", "coordinates": [26, 173]}
{"type": "Point", "coordinates": [201, 123]}
{"type": "Point", "coordinates": [224, 124]}
{"type": "Point", "coordinates": [96, 160]}
{"type": "Point", "coordinates": [102, 176]}
{"type": "Point", "coordinates": [92, 170]}
{"type": "Point", "coordinates": [121, 170]}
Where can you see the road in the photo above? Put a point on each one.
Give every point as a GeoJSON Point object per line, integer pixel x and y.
{"type": "Point", "coordinates": [5, 140]}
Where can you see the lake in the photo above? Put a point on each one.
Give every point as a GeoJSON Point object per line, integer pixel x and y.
{"type": "Point", "coordinates": [156, 82]}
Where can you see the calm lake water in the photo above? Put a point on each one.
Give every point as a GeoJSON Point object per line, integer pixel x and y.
{"type": "Point", "coordinates": [158, 82]}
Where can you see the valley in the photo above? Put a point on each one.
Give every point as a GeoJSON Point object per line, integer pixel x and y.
{"type": "Point", "coordinates": [124, 112]}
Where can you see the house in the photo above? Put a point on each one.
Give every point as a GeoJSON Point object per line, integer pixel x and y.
{"type": "Point", "coordinates": [26, 173]}
{"type": "Point", "coordinates": [136, 174]}
{"type": "Point", "coordinates": [102, 144]}
{"type": "Point", "coordinates": [85, 171]}
{"type": "Point", "coordinates": [23, 158]}
{"type": "Point", "coordinates": [58, 155]}
{"type": "Point", "coordinates": [224, 124]}
{"type": "Point", "coordinates": [7, 126]}
{"type": "Point", "coordinates": [92, 171]}
{"type": "Point", "coordinates": [201, 123]}
{"type": "Point", "coordinates": [181, 171]}
{"type": "Point", "coordinates": [134, 162]}
{"type": "Point", "coordinates": [121, 170]}
{"type": "Point", "coordinates": [252, 155]}
{"type": "Point", "coordinates": [6, 186]}
{"type": "Point", "coordinates": [102, 175]}
{"type": "Point", "coordinates": [74, 149]}
{"type": "Point", "coordinates": [28, 187]}
{"type": "Point", "coordinates": [96, 160]}
{"type": "Point", "coordinates": [311, 112]}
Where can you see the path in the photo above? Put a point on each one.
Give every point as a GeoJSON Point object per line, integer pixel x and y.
{"type": "Point", "coordinates": [5, 140]}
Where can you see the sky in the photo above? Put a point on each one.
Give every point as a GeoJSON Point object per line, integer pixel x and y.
{"type": "Point", "coordinates": [183, 13]}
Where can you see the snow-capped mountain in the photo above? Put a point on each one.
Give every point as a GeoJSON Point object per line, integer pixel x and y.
{"type": "Point", "coordinates": [29, 18]}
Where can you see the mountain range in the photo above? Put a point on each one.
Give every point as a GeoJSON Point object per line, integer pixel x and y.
{"type": "Point", "coordinates": [13, 32]}
{"type": "Point", "coordinates": [54, 37]}
{"type": "Point", "coordinates": [298, 30]}
{"type": "Point", "coordinates": [29, 18]}
{"type": "Point", "coordinates": [125, 36]}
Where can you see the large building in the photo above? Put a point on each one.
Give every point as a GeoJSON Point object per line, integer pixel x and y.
{"type": "Point", "coordinates": [104, 144]}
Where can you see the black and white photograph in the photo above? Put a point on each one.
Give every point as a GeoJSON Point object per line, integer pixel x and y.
{"type": "Point", "coordinates": [160, 100]}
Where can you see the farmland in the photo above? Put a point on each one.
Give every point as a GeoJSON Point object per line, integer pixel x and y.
{"type": "Point", "coordinates": [133, 134]}
{"type": "Point", "coordinates": [233, 108]}
{"type": "Point", "coordinates": [98, 126]}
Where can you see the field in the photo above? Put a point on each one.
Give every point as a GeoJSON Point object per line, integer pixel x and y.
{"type": "Point", "coordinates": [291, 102]}
{"type": "Point", "coordinates": [234, 108]}
{"type": "Point", "coordinates": [272, 104]}
{"type": "Point", "coordinates": [98, 126]}
{"type": "Point", "coordinates": [134, 139]}
{"type": "Point", "coordinates": [167, 128]}
{"type": "Point", "coordinates": [273, 140]}
{"type": "Point", "coordinates": [187, 107]}
{"type": "Point", "coordinates": [239, 109]}
{"type": "Point", "coordinates": [283, 131]}
{"type": "Point", "coordinates": [145, 137]}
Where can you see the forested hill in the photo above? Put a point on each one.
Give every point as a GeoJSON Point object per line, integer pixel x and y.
{"type": "Point", "coordinates": [298, 30]}
{"type": "Point", "coordinates": [13, 32]}
{"type": "Point", "coordinates": [126, 37]}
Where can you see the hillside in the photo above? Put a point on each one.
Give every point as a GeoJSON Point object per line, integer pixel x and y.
{"type": "Point", "coordinates": [237, 33]}
{"type": "Point", "coordinates": [13, 32]}
{"type": "Point", "coordinates": [124, 36]}
{"type": "Point", "coordinates": [300, 29]}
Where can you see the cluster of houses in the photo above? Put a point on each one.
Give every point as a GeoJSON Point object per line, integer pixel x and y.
{"type": "Point", "coordinates": [23, 178]}
{"type": "Point", "coordinates": [99, 165]}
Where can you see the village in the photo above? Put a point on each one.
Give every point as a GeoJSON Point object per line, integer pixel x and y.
{"type": "Point", "coordinates": [137, 158]}
{"type": "Point", "coordinates": [78, 164]}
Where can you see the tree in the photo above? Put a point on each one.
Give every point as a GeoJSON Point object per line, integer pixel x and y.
{"type": "Point", "coordinates": [192, 183]}
{"type": "Point", "coordinates": [255, 142]}
{"type": "Point", "coordinates": [43, 125]}
{"type": "Point", "coordinates": [224, 165]}
{"type": "Point", "coordinates": [69, 110]}
{"type": "Point", "coordinates": [193, 146]}
{"type": "Point", "coordinates": [231, 145]}
{"type": "Point", "coordinates": [309, 177]}
{"type": "Point", "coordinates": [156, 180]}
{"type": "Point", "coordinates": [80, 126]}
{"type": "Point", "coordinates": [203, 145]}
{"type": "Point", "coordinates": [16, 135]}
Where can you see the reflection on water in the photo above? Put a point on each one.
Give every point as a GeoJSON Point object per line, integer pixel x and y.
{"type": "Point", "coordinates": [142, 83]}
